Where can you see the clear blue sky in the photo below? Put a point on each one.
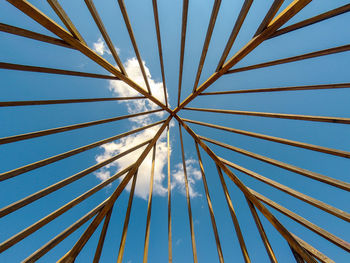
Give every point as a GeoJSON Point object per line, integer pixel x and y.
{"type": "Point", "coordinates": [17, 85]}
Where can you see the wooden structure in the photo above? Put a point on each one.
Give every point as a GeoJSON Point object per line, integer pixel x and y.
{"type": "Point", "coordinates": [270, 27]}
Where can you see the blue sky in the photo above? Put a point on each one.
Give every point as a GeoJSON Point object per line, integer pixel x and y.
{"type": "Point", "coordinates": [36, 86]}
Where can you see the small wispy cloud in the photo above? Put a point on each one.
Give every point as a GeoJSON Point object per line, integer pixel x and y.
{"type": "Point", "coordinates": [101, 48]}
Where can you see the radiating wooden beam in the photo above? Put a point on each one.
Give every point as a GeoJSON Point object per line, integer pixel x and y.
{"type": "Point", "coordinates": [262, 233]}
{"type": "Point", "coordinates": [286, 166]}
{"type": "Point", "coordinates": [31, 135]}
{"type": "Point", "coordinates": [65, 101]}
{"type": "Point", "coordinates": [305, 198]}
{"type": "Point", "coordinates": [276, 23]}
{"type": "Point", "coordinates": [269, 216]}
{"type": "Point", "coordinates": [275, 6]}
{"type": "Point", "coordinates": [33, 35]}
{"type": "Point", "coordinates": [54, 187]}
{"type": "Point", "coordinates": [70, 256]}
{"type": "Point", "coordinates": [47, 219]}
{"type": "Point", "coordinates": [133, 41]}
{"type": "Point", "coordinates": [149, 208]}
{"type": "Point", "coordinates": [234, 217]}
{"type": "Point", "coordinates": [55, 5]}
{"type": "Point", "coordinates": [49, 24]}
{"type": "Point", "coordinates": [303, 145]}
{"type": "Point", "coordinates": [292, 88]}
{"type": "Point", "coordinates": [310, 21]}
{"type": "Point", "coordinates": [170, 251]}
{"type": "Point", "coordinates": [277, 115]}
{"type": "Point", "coordinates": [193, 240]}
{"type": "Point", "coordinates": [93, 11]}
{"type": "Point", "coordinates": [213, 16]}
{"type": "Point", "coordinates": [297, 257]}
{"type": "Point", "coordinates": [318, 230]}
{"type": "Point", "coordinates": [210, 206]}
{"type": "Point", "coordinates": [319, 53]}
{"type": "Point", "coordinates": [63, 235]}
{"type": "Point", "coordinates": [182, 48]}
{"type": "Point", "coordinates": [235, 30]}
{"type": "Point", "coordinates": [160, 51]}
{"type": "Point", "coordinates": [126, 220]}
{"type": "Point", "coordinates": [11, 66]}
{"type": "Point", "coordinates": [58, 157]}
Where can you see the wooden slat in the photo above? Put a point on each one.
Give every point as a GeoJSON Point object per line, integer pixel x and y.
{"type": "Point", "coordinates": [58, 157]}
{"type": "Point", "coordinates": [310, 21]}
{"type": "Point", "coordinates": [70, 256]}
{"type": "Point", "coordinates": [303, 145]}
{"type": "Point", "coordinates": [126, 220]}
{"type": "Point", "coordinates": [193, 240]}
{"type": "Point", "coordinates": [234, 217]}
{"type": "Point", "coordinates": [65, 101]}
{"type": "Point", "coordinates": [277, 115]}
{"type": "Point", "coordinates": [210, 206]}
{"type": "Point", "coordinates": [11, 66]}
{"type": "Point", "coordinates": [297, 257]}
{"type": "Point", "coordinates": [305, 198]}
{"type": "Point", "coordinates": [182, 48]}
{"type": "Point", "coordinates": [54, 187]}
{"type": "Point", "coordinates": [33, 35]}
{"type": "Point", "coordinates": [93, 11]}
{"type": "Point", "coordinates": [55, 5]}
{"type": "Point", "coordinates": [292, 88]}
{"type": "Point", "coordinates": [149, 207]}
{"type": "Point", "coordinates": [160, 51]}
{"type": "Point", "coordinates": [213, 16]}
{"type": "Point", "coordinates": [319, 53]}
{"type": "Point", "coordinates": [275, 6]}
{"type": "Point", "coordinates": [31, 135]}
{"type": "Point", "coordinates": [276, 23]}
{"type": "Point", "coordinates": [318, 230]}
{"type": "Point", "coordinates": [170, 251]}
{"type": "Point", "coordinates": [235, 30]}
{"type": "Point", "coordinates": [286, 166]}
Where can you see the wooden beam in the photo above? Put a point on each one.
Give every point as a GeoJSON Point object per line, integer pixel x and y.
{"type": "Point", "coordinates": [277, 115]}
{"type": "Point", "coordinates": [11, 66]}
{"type": "Point", "coordinates": [319, 53]}
{"type": "Point", "coordinates": [235, 30]}
{"type": "Point", "coordinates": [292, 88]}
{"type": "Point", "coordinates": [194, 250]}
{"type": "Point", "coordinates": [297, 257]}
{"type": "Point", "coordinates": [275, 6]}
{"type": "Point", "coordinates": [214, 14]}
{"type": "Point", "coordinates": [170, 251]}
{"type": "Point", "coordinates": [58, 157]}
{"type": "Point", "coordinates": [33, 35]}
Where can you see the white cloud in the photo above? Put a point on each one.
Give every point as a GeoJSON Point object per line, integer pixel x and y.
{"type": "Point", "coordinates": [100, 47]}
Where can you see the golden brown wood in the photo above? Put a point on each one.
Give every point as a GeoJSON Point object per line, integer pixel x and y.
{"type": "Point", "coordinates": [182, 48]}
{"type": "Point", "coordinates": [262, 233]}
{"type": "Point", "coordinates": [160, 52]}
{"type": "Point", "coordinates": [149, 208]}
{"type": "Point", "coordinates": [319, 53]}
{"type": "Point", "coordinates": [31, 135]}
{"type": "Point", "coordinates": [194, 250]}
{"type": "Point", "coordinates": [11, 66]}
{"type": "Point", "coordinates": [55, 158]}
{"type": "Point", "coordinates": [293, 88]}
{"type": "Point", "coordinates": [235, 30]}
{"type": "Point", "coordinates": [278, 115]}
{"type": "Point", "coordinates": [289, 167]}
{"type": "Point", "coordinates": [213, 16]}
{"type": "Point", "coordinates": [234, 217]}
{"type": "Point", "coordinates": [33, 35]}
{"type": "Point", "coordinates": [170, 251]}
{"type": "Point", "coordinates": [275, 6]}
{"type": "Point", "coordinates": [210, 206]}
{"type": "Point", "coordinates": [50, 189]}
{"type": "Point", "coordinates": [307, 22]}
{"type": "Point", "coordinates": [55, 5]}
{"type": "Point", "coordinates": [297, 257]}
{"type": "Point", "coordinates": [126, 220]}
{"type": "Point", "coordinates": [133, 41]}
{"type": "Point", "coordinates": [308, 146]}
{"type": "Point", "coordinates": [308, 199]}
{"type": "Point", "coordinates": [318, 230]}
